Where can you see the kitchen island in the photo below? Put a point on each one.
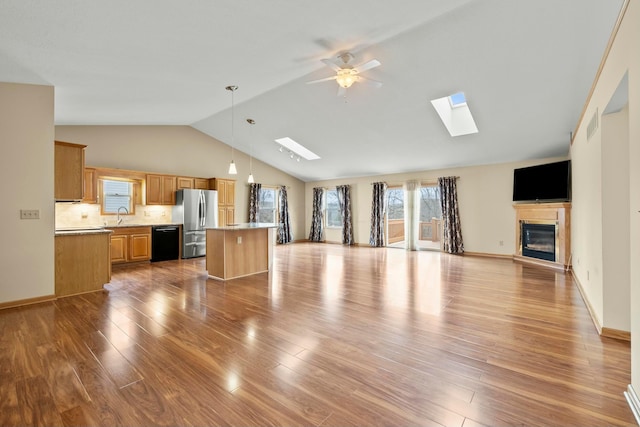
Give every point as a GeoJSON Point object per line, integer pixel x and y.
{"type": "Point", "coordinates": [239, 250]}
{"type": "Point", "coordinates": [82, 260]}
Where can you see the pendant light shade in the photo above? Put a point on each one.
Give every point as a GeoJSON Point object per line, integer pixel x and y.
{"type": "Point", "coordinates": [232, 168]}
{"type": "Point", "coordinates": [232, 165]}
{"type": "Point", "coordinates": [251, 180]}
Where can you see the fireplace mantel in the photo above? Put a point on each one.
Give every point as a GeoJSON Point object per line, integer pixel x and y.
{"type": "Point", "coordinates": [558, 213]}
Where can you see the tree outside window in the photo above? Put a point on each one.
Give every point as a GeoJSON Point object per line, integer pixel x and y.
{"type": "Point", "coordinates": [332, 209]}
{"type": "Point", "coordinates": [267, 209]}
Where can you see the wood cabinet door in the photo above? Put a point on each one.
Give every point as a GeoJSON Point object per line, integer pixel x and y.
{"type": "Point", "coordinates": [90, 186]}
{"type": "Point", "coordinates": [139, 247]}
{"type": "Point", "coordinates": [201, 183]}
{"type": "Point", "coordinates": [230, 196]}
{"type": "Point", "coordinates": [222, 216]}
{"type": "Point", "coordinates": [68, 171]}
{"type": "Point", "coordinates": [168, 190]}
{"type": "Point", "coordinates": [118, 248]}
{"type": "Point", "coordinates": [154, 189]}
{"type": "Point", "coordinates": [184, 182]}
{"type": "Point", "coordinates": [221, 188]}
{"type": "Point", "coordinates": [230, 215]}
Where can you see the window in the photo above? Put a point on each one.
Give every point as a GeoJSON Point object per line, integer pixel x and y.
{"type": "Point", "coordinates": [116, 195]}
{"type": "Point", "coordinates": [395, 203]}
{"type": "Point", "coordinates": [267, 208]}
{"type": "Point", "coordinates": [332, 209]}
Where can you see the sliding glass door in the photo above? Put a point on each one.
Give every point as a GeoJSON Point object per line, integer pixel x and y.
{"type": "Point", "coordinates": [395, 217]}
{"type": "Point", "coordinates": [429, 218]}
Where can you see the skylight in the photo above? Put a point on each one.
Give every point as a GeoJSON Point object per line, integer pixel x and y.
{"type": "Point", "coordinates": [455, 114]}
{"type": "Point", "coordinates": [297, 149]}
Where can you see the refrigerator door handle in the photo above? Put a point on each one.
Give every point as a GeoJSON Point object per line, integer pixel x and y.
{"type": "Point", "coordinates": [203, 209]}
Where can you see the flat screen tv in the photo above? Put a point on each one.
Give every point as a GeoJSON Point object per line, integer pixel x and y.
{"type": "Point", "coordinates": [544, 183]}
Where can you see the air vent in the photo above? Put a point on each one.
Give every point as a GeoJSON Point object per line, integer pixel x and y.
{"type": "Point", "coordinates": [593, 125]}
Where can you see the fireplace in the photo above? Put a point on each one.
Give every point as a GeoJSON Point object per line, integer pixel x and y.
{"type": "Point", "coordinates": [543, 234]}
{"type": "Point", "coordinates": [539, 240]}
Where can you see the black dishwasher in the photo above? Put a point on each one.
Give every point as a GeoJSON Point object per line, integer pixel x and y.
{"type": "Point", "coordinates": [165, 242]}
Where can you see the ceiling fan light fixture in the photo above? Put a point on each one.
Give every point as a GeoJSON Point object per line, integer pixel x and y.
{"type": "Point", "coordinates": [346, 77]}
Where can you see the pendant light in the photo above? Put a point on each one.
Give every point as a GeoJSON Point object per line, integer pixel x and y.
{"type": "Point", "coordinates": [232, 165]}
{"type": "Point", "coordinates": [251, 180]}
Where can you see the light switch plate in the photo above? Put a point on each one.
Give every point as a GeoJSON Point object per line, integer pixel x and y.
{"type": "Point", "coordinates": [29, 214]}
{"type": "Point", "coordinates": [239, 240]}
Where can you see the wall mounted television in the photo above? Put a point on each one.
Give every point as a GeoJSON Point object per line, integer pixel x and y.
{"type": "Point", "coordinates": [550, 182]}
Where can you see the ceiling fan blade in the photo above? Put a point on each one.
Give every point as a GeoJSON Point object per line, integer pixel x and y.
{"type": "Point", "coordinates": [367, 66]}
{"type": "Point", "coordinates": [331, 64]}
{"type": "Point", "coordinates": [322, 80]}
{"type": "Point", "coordinates": [369, 82]}
{"type": "Point", "coordinates": [342, 91]}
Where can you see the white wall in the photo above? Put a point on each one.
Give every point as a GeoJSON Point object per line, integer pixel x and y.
{"type": "Point", "coordinates": [624, 57]}
{"type": "Point", "coordinates": [26, 182]}
{"type": "Point", "coordinates": [615, 220]}
{"type": "Point", "coordinates": [181, 150]}
{"type": "Point", "coordinates": [485, 202]}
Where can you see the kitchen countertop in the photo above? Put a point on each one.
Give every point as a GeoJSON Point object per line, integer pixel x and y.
{"type": "Point", "coordinates": [74, 231]}
{"type": "Point", "coordinates": [65, 231]}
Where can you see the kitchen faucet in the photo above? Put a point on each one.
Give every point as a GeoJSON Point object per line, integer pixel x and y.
{"type": "Point", "coordinates": [119, 220]}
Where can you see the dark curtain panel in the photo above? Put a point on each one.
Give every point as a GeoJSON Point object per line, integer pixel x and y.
{"type": "Point", "coordinates": [315, 235]}
{"type": "Point", "coordinates": [284, 231]}
{"type": "Point", "coordinates": [377, 215]}
{"type": "Point", "coordinates": [254, 200]}
{"type": "Point", "coordinates": [344, 199]}
{"type": "Point", "coordinates": [451, 231]}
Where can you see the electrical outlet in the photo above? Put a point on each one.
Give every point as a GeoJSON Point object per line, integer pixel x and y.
{"type": "Point", "coordinates": [29, 214]}
{"type": "Point", "coordinates": [163, 213]}
{"type": "Point", "coordinates": [146, 213]}
{"type": "Point", "coordinates": [501, 242]}
{"type": "Point", "coordinates": [84, 214]}
{"type": "Point", "coordinates": [239, 240]}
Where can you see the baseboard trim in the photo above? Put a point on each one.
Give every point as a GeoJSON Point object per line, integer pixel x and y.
{"type": "Point", "coordinates": [633, 401]}
{"type": "Point", "coordinates": [592, 313]}
{"type": "Point", "coordinates": [28, 301]}
{"type": "Point", "coordinates": [486, 255]}
{"type": "Point", "coordinates": [616, 334]}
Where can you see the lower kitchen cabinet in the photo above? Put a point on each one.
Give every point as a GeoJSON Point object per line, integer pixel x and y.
{"type": "Point", "coordinates": [81, 262]}
{"type": "Point", "coordinates": [130, 244]}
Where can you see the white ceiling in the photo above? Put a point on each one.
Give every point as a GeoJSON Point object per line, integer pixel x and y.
{"type": "Point", "coordinates": [525, 66]}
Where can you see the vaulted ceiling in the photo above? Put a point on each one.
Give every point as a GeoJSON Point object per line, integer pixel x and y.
{"type": "Point", "coordinates": [526, 68]}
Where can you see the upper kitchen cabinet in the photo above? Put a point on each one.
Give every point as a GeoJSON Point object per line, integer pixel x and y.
{"type": "Point", "coordinates": [161, 189]}
{"type": "Point", "coordinates": [226, 189]}
{"type": "Point", "coordinates": [90, 186]}
{"type": "Point", "coordinates": [185, 182]}
{"type": "Point", "coordinates": [69, 171]}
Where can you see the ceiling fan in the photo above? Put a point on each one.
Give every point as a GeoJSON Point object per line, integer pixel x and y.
{"type": "Point", "coordinates": [347, 74]}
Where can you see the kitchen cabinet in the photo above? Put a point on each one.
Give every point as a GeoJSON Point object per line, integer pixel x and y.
{"type": "Point", "coordinates": [161, 189]}
{"type": "Point", "coordinates": [82, 262]}
{"type": "Point", "coordinates": [186, 182]}
{"type": "Point", "coordinates": [226, 189]}
{"type": "Point", "coordinates": [201, 183]}
{"type": "Point", "coordinates": [130, 244]}
{"type": "Point", "coordinates": [90, 186]}
{"type": "Point", "coordinates": [68, 171]}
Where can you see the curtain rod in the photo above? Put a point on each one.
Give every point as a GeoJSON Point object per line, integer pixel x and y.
{"type": "Point", "coordinates": [456, 177]}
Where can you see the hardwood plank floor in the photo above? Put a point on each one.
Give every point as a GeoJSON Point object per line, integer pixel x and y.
{"type": "Point", "coordinates": [333, 336]}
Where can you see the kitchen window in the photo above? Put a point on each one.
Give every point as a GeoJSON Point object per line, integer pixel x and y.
{"type": "Point", "coordinates": [267, 208]}
{"type": "Point", "coordinates": [116, 195]}
{"type": "Point", "coordinates": [333, 217]}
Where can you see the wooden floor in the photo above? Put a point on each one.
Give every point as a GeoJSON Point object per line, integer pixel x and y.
{"type": "Point", "coordinates": [334, 336]}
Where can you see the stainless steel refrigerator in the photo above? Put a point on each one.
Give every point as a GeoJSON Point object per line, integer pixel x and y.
{"type": "Point", "coordinates": [196, 210]}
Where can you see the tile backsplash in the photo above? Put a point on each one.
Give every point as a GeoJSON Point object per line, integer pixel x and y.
{"type": "Point", "coordinates": [88, 215]}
